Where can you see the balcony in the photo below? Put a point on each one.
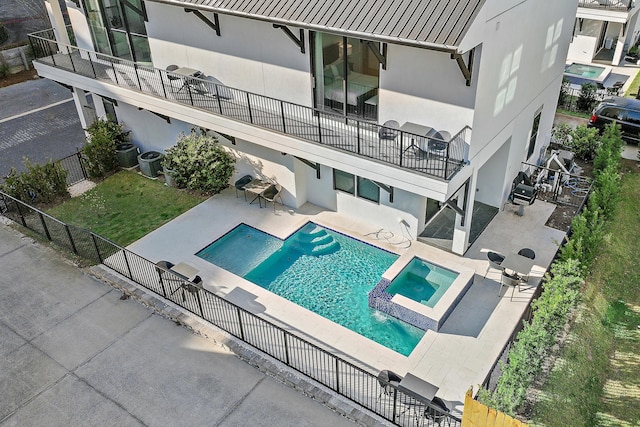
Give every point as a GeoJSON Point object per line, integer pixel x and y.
{"type": "Point", "coordinates": [354, 136]}
{"type": "Point", "coordinates": [606, 4]}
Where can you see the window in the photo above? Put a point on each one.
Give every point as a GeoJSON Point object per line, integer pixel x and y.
{"type": "Point", "coordinates": [344, 181]}
{"type": "Point", "coordinates": [367, 189]}
{"type": "Point", "coordinates": [534, 133]}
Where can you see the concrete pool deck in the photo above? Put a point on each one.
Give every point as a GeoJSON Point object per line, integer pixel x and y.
{"type": "Point", "coordinates": [458, 356]}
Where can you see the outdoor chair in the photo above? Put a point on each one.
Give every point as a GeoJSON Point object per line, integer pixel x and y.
{"type": "Point", "coordinates": [388, 381]}
{"type": "Point", "coordinates": [438, 140]}
{"type": "Point", "coordinates": [212, 87]}
{"type": "Point", "coordinates": [171, 68]}
{"type": "Point", "coordinates": [527, 253]}
{"type": "Point", "coordinates": [510, 280]}
{"type": "Point", "coordinates": [271, 194]}
{"type": "Point", "coordinates": [495, 262]}
{"type": "Point", "coordinates": [161, 267]}
{"type": "Point", "coordinates": [438, 412]}
{"type": "Point", "coordinates": [389, 130]}
{"type": "Point", "coordinates": [240, 183]}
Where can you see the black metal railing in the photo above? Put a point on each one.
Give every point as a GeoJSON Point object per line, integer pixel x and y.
{"type": "Point", "coordinates": [573, 99]}
{"type": "Point", "coordinates": [606, 4]}
{"type": "Point", "coordinates": [432, 156]}
{"type": "Point", "coordinates": [74, 166]}
{"type": "Point", "coordinates": [343, 377]}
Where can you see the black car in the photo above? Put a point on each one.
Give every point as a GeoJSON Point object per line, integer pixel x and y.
{"type": "Point", "coordinates": [624, 111]}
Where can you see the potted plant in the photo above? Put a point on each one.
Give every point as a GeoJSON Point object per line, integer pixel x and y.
{"type": "Point", "coordinates": [168, 169]}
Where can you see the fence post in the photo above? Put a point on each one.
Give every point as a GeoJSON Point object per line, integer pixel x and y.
{"type": "Point", "coordinates": [358, 129]}
{"type": "Point", "coordinates": [24, 223]}
{"type": "Point", "coordinates": [240, 324]}
{"type": "Point", "coordinates": [93, 68]}
{"type": "Point", "coordinates": [286, 347]}
{"type": "Point", "coordinates": [319, 128]}
{"type": "Point", "coordinates": [249, 107]}
{"type": "Point", "coordinates": [218, 98]}
{"type": "Point", "coordinates": [73, 66]}
{"type": "Point", "coordinates": [337, 375]}
{"type": "Point", "coordinates": [95, 244]}
{"type": "Point", "coordinates": [73, 244]}
{"type": "Point", "coordinates": [84, 172]}
{"type": "Point", "coordinates": [126, 261]}
{"type": "Point", "coordinates": [284, 122]}
{"type": "Point", "coordinates": [401, 146]}
{"type": "Point", "coordinates": [44, 226]}
{"type": "Point", "coordinates": [395, 403]}
{"type": "Point", "coordinates": [446, 162]}
{"type": "Point", "coordinates": [199, 303]}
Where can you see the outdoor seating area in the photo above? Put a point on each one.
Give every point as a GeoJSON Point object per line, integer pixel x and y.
{"type": "Point", "coordinates": [259, 190]}
{"type": "Point", "coordinates": [183, 273]}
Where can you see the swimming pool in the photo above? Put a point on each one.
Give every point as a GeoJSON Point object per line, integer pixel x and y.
{"type": "Point", "coordinates": [322, 270]}
{"type": "Point", "coordinates": [588, 72]}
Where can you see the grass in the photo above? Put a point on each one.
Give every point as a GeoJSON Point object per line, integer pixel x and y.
{"type": "Point", "coordinates": [574, 113]}
{"type": "Point", "coordinates": [125, 207]}
{"type": "Point", "coordinates": [633, 88]}
{"type": "Point", "coordinates": [596, 381]}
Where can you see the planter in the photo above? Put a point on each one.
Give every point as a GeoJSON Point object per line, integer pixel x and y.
{"type": "Point", "coordinates": [150, 163]}
{"type": "Point", "coordinates": [169, 180]}
{"type": "Point", "coordinates": [127, 155]}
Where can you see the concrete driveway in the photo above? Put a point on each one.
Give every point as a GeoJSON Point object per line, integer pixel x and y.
{"type": "Point", "coordinates": [72, 352]}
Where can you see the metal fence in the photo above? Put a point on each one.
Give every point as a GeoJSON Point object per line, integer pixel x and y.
{"type": "Point", "coordinates": [606, 4]}
{"type": "Point", "coordinates": [436, 155]}
{"type": "Point", "coordinates": [346, 379]}
{"type": "Point", "coordinates": [570, 98]}
{"type": "Point", "coordinates": [75, 168]}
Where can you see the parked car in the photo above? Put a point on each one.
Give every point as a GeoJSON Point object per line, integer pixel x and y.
{"type": "Point", "coordinates": [624, 111]}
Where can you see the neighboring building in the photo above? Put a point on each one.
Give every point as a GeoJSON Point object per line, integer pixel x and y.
{"type": "Point", "coordinates": [604, 30]}
{"type": "Point", "coordinates": [485, 73]}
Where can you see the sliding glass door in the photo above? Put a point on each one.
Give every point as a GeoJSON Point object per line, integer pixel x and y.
{"type": "Point", "coordinates": [346, 75]}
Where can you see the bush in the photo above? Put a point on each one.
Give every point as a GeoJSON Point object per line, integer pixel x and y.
{"type": "Point", "coordinates": [584, 142]}
{"type": "Point", "coordinates": [561, 134]}
{"type": "Point", "coordinates": [199, 163]}
{"type": "Point", "coordinates": [99, 152]}
{"type": "Point", "coordinates": [564, 92]}
{"type": "Point", "coordinates": [610, 149]}
{"type": "Point", "coordinates": [39, 184]}
{"type": "Point", "coordinates": [587, 96]}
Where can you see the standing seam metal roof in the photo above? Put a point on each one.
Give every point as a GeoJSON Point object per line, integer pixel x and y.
{"type": "Point", "coordinates": [439, 24]}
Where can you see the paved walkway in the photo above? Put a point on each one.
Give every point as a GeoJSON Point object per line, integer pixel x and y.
{"type": "Point", "coordinates": [73, 352]}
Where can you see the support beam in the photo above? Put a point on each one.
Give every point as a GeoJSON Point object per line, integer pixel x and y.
{"type": "Point", "coordinates": [465, 68]}
{"type": "Point", "coordinates": [381, 56]}
{"type": "Point", "coordinates": [162, 116]}
{"type": "Point", "coordinates": [299, 41]}
{"type": "Point", "coordinates": [387, 188]}
{"type": "Point", "coordinates": [215, 25]}
{"type": "Point", "coordinates": [140, 12]}
{"type": "Point", "coordinates": [312, 165]}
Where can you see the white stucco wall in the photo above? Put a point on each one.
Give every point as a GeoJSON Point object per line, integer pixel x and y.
{"type": "Point", "coordinates": [426, 87]}
{"type": "Point", "coordinates": [521, 58]}
{"type": "Point", "coordinates": [249, 54]}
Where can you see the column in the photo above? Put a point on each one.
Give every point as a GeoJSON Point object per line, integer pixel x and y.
{"type": "Point", "coordinates": [82, 106]}
{"type": "Point", "coordinates": [461, 231]}
{"type": "Point", "coordinates": [57, 21]}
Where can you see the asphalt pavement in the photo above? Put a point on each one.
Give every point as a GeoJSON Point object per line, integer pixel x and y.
{"type": "Point", "coordinates": [73, 352]}
{"type": "Point", "coordinates": [38, 121]}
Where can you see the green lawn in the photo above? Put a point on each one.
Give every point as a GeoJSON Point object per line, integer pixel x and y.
{"type": "Point", "coordinates": [633, 87]}
{"type": "Point", "coordinates": [125, 207]}
{"type": "Point", "coordinates": [596, 381]}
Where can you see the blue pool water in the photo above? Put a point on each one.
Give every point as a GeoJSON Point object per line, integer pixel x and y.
{"type": "Point", "coordinates": [422, 281]}
{"type": "Point", "coordinates": [322, 270]}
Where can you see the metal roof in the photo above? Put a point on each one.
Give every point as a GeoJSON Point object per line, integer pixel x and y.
{"type": "Point", "coordinates": [436, 24]}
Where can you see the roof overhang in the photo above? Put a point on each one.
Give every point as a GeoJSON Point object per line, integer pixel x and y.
{"type": "Point", "coordinates": [331, 30]}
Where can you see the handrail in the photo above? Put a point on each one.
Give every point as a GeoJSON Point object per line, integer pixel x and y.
{"type": "Point", "coordinates": [404, 149]}
{"type": "Point", "coordinates": [606, 4]}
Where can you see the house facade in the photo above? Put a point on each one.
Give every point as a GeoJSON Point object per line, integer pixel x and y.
{"type": "Point", "coordinates": [388, 112]}
{"type": "Point", "coordinates": [604, 30]}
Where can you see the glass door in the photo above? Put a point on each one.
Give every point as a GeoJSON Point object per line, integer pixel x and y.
{"type": "Point", "coordinates": [346, 76]}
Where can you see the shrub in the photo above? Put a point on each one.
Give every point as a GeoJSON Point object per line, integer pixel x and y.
{"type": "Point", "coordinates": [584, 142]}
{"type": "Point", "coordinates": [199, 163]}
{"type": "Point", "coordinates": [610, 148]}
{"type": "Point", "coordinates": [39, 184]}
{"type": "Point", "coordinates": [587, 96]}
{"type": "Point", "coordinates": [99, 152]}
{"type": "Point", "coordinates": [564, 92]}
{"type": "Point", "coordinates": [561, 134]}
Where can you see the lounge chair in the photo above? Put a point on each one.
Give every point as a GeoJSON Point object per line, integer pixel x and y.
{"type": "Point", "coordinates": [437, 411]}
{"type": "Point", "coordinates": [240, 183]}
{"type": "Point", "coordinates": [212, 87]}
{"type": "Point", "coordinates": [270, 194]}
{"type": "Point", "coordinates": [527, 253]}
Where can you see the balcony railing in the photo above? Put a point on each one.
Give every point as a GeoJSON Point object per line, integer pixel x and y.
{"type": "Point", "coordinates": [430, 156]}
{"type": "Point", "coordinates": [606, 4]}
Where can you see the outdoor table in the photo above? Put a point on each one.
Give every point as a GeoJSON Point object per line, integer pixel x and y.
{"type": "Point", "coordinates": [185, 270]}
{"type": "Point", "coordinates": [416, 129]}
{"type": "Point", "coordinates": [256, 187]}
{"type": "Point", "coordinates": [518, 264]}
{"type": "Point", "coordinates": [418, 388]}
{"type": "Point", "coordinates": [187, 72]}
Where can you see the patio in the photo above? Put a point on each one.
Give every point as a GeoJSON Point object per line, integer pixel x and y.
{"type": "Point", "coordinates": [460, 355]}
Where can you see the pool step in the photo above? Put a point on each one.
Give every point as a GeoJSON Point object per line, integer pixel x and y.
{"type": "Point", "coordinates": [313, 240]}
